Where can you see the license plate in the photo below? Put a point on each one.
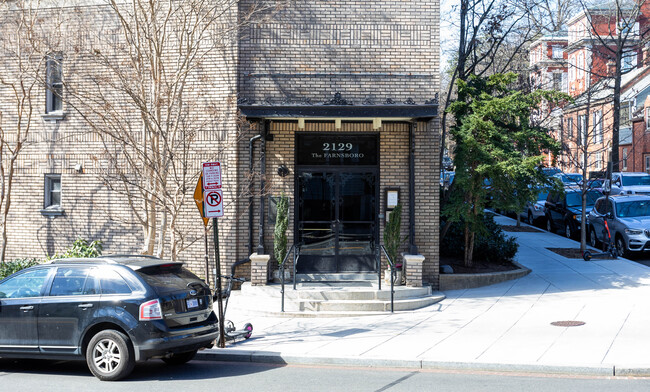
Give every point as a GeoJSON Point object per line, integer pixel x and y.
{"type": "Point", "coordinates": [192, 303]}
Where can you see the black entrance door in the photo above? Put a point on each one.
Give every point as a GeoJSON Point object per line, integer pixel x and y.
{"type": "Point", "coordinates": [337, 220]}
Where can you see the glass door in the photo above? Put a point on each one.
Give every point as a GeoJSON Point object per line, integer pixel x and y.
{"type": "Point", "coordinates": [337, 220]}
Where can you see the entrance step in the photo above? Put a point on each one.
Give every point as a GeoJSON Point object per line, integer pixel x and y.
{"type": "Point", "coordinates": [331, 299]}
{"type": "Point", "coordinates": [339, 277]}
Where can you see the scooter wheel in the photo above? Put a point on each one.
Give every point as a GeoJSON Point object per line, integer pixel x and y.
{"type": "Point", "coordinates": [586, 255]}
{"type": "Point", "coordinates": [248, 327]}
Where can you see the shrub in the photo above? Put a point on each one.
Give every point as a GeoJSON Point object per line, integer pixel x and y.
{"type": "Point", "coordinates": [81, 248]}
{"type": "Point", "coordinates": [490, 245]}
{"type": "Point", "coordinates": [280, 231]}
{"type": "Point", "coordinates": [11, 267]}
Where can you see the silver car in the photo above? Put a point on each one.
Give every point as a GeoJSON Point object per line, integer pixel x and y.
{"type": "Point", "coordinates": [628, 183]}
{"type": "Point", "coordinates": [535, 211]}
{"type": "Point", "coordinates": [628, 218]}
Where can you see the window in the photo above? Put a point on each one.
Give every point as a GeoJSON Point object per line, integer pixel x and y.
{"type": "Point", "coordinates": [625, 118]}
{"type": "Point", "coordinates": [113, 283]}
{"type": "Point", "coordinates": [624, 158]}
{"type": "Point", "coordinates": [52, 191]}
{"type": "Point", "coordinates": [54, 83]}
{"type": "Point", "coordinates": [598, 126]}
{"type": "Point", "coordinates": [558, 53]}
{"type": "Point", "coordinates": [646, 158]}
{"type": "Point", "coordinates": [28, 284]}
{"type": "Point", "coordinates": [569, 127]}
{"type": "Point", "coordinates": [557, 81]}
{"type": "Point", "coordinates": [628, 61]}
{"type": "Point", "coordinates": [73, 281]}
{"type": "Point", "coordinates": [599, 160]}
{"type": "Point", "coordinates": [582, 129]}
{"type": "Point", "coordinates": [581, 66]}
{"type": "Point", "coordinates": [647, 119]}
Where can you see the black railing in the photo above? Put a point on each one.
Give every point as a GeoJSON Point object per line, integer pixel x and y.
{"type": "Point", "coordinates": [393, 276]}
{"type": "Point", "coordinates": [295, 249]}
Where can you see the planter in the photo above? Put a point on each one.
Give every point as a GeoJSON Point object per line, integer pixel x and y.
{"type": "Point", "coordinates": [398, 277]}
{"type": "Point", "coordinates": [287, 276]}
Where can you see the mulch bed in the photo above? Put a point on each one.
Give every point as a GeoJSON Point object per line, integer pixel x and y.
{"type": "Point", "coordinates": [479, 267]}
{"type": "Point", "coordinates": [573, 253]}
{"type": "Point", "coordinates": [520, 229]}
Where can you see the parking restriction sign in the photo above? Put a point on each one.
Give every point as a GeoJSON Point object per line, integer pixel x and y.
{"type": "Point", "coordinates": [211, 175]}
{"type": "Point", "coordinates": [213, 203]}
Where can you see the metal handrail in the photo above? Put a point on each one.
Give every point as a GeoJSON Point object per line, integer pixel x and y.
{"type": "Point", "coordinates": [393, 276]}
{"type": "Point", "coordinates": [295, 249]}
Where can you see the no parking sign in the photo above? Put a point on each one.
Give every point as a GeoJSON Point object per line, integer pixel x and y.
{"type": "Point", "coordinates": [212, 191]}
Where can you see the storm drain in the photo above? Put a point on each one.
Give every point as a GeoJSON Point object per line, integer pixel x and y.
{"type": "Point", "coordinates": [568, 323]}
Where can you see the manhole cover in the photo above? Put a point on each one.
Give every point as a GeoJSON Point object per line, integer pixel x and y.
{"type": "Point", "coordinates": [569, 323]}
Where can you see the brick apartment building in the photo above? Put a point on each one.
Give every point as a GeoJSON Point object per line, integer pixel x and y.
{"type": "Point", "coordinates": [333, 104]}
{"type": "Point", "coordinates": [590, 67]}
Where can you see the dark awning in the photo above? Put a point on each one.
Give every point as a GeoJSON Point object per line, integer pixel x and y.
{"type": "Point", "coordinates": [398, 111]}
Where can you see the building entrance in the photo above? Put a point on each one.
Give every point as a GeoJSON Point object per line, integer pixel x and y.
{"type": "Point", "coordinates": [336, 213]}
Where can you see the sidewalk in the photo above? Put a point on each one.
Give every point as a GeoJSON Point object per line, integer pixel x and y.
{"type": "Point", "coordinates": [503, 327]}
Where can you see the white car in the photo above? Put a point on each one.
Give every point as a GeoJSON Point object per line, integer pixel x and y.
{"type": "Point", "coordinates": [625, 183]}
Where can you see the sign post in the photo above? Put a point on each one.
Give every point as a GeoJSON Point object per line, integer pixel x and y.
{"type": "Point", "coordinates": [213, 208]}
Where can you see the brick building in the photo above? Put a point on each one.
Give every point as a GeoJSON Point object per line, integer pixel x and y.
{"type": "Point", "coordinates": [333, 104]}
{"type": "Point", "coordinates": [592, 35]}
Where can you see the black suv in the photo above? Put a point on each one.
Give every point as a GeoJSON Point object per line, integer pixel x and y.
{"type": "Point", "coordinates": [112, 310]}
{"type": "Point", "coordinates": [564, 209]}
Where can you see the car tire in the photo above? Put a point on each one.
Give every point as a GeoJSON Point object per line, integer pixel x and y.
{"type": "Point", "coordinates": [568, 233]}
{"type": "Point", "coordinates": [110, 356]}
{"type": "Point", "coordinates": [180, 358]}
{"type": "Point", "coordinates": [621, 248]}
{"type": "Point", "coordinates": [549, 225]}
{"type": "Point", "coordinates": [593, 238]}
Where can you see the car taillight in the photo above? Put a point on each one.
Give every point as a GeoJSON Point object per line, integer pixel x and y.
{"type": "Point", "coordinates": [151, 310]}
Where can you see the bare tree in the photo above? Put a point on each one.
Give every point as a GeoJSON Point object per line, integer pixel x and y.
{"type": "Point", "coordinates": [152, 91]}
{"type": "Point", "coordinates": [20, 84]}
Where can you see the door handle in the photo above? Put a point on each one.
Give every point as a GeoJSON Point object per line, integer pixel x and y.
{"type": "Point", "coordinates": [85, 306]}
{"type": "Point", "coordinates": [26, 308]}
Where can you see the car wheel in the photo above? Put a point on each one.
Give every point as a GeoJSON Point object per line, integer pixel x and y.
{"type": "Point", "coordinates": [180, 358]}
{"type": "Point", "coordinates": [549, 225]}
{"type": "Point", "coordinates": [110, 355]}
{"type": "Point", "coordinates": [593, 239]}
{"type": "Point", "coordinates": [530, 219]}
{"type": "Point", "coordinates": [568, 233]}
{"type": "Point", "coordinates": [621, 249]}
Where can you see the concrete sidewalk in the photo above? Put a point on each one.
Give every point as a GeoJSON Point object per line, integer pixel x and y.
{"type": "Point", "coordinates": [503, 327]}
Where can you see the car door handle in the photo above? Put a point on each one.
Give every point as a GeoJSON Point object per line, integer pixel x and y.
{"type": "Point", "coordinates": [27, 308]}
{"type": "Point", "coordinates": [85, 306]}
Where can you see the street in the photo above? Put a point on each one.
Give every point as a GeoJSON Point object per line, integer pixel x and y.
{"type": "Point", "coordinates": [52, 376]}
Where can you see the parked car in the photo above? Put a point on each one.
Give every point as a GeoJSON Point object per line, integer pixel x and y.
{"type": "Point", "coordinates": [447, 163]}
{"type": "Point", "coordinates": [550, 171]}
{"type": "Point", "coordinates": [597, 184]}
{"type": "Point", "coordinates": [628, 218]}
{"type": "Point", "coordinates": [568, 178]}
{"type": "Point", "coordinates": [564, 209]}
{"type": "Point", "coordinates": [112, 311]}
{"type": "Point", "coordinates": [534, 212]}
{"type": "Point", "coordinates": [625, 183]}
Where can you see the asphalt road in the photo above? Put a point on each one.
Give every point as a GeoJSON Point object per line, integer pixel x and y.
{"type": "Point", "coordinates": [196, 376]}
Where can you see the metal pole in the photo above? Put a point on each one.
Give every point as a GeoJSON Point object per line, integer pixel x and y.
{"type": "Point", "coordinates": [215, 230]}
{"type": "Point", "coordinates": [207, 258]}
{"type": "Point", "coordinates": [413, 249]}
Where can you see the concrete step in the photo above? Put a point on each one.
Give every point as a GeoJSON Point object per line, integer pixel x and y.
{"type": "Point", "coordinates": [329, 300]}
{"type": "Point", "coordinates": [338, 277]}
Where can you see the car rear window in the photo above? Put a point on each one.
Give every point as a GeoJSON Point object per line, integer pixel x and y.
{"type": "Point", "coordinates": [635, 180]}
{"type": "Point", "coordinates": [166, 278]}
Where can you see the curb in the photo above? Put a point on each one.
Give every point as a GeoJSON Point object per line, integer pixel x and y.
{"type": "Point", "coordinates": [276, 358]}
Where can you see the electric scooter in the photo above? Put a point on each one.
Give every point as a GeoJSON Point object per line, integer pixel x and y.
{"type": "Point", "coordinates": [610, 251]}
{"type": "Point", "coordinates": [230, 332]}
